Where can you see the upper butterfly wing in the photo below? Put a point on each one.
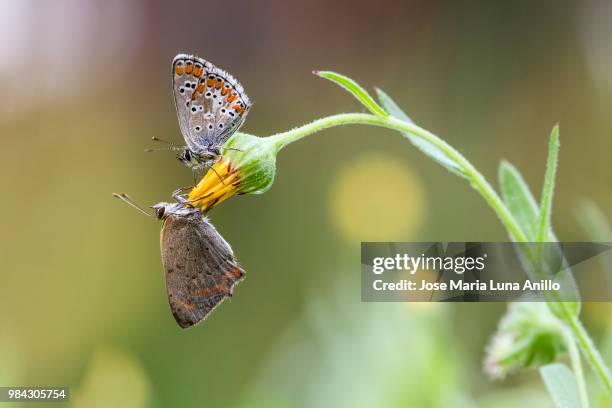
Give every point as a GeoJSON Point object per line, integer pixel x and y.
{"type": "Point", "coordinates": [200, 267]}
{"type": "Point", "coordinates": [210, 103]}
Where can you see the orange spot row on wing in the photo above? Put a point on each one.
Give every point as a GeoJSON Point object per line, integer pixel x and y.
{"type": "Point", "coordinates": [188, 306]}
{"type": "Point", "coordinates": [179, 69]}
{"type": "Point", "coordinates": [212, 291]}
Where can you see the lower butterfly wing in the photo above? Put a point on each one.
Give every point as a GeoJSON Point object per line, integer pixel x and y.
{"type": "Point", "coordinates": [200, 267]}
{"type": "Point", "coordinates": [210, 103]}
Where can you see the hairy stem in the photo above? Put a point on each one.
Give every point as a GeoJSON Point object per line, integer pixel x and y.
{"type": "Point", "coordinates": [478, 182]}
{"type": "Point", "coordinates": [476, 179]}
{"type": "Point", "coordinates": [574, 354]}
{"type": "Point", "coordinates": [590, 352]}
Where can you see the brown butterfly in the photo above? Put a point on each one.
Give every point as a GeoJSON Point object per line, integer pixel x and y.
{"type": "Point", "coordinates": [200, 267]}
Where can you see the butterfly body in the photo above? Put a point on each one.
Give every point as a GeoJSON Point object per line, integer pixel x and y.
{"type": "Point", "coordinates": [210, 105]}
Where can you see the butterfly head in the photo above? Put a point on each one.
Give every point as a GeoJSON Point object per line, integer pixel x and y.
{"type": "Point", "coordinates": [164, 210]}
{"type": "Point", "coordinates": [204, 157]}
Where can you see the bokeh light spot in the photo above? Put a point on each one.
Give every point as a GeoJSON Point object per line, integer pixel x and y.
{"type": "Point", "coordinates": [377, 198]}
{"type": "Point", "coordinates": [114, 378]}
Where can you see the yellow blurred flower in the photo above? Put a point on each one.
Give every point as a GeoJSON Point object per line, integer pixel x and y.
{"type": "Point", "coordinates": [377, 198]}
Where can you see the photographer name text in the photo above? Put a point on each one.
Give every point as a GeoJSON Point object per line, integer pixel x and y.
{"type": "Point", "coordinates": [460, 284]}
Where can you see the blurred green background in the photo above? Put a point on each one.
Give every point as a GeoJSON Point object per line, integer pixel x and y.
{"type": "Point", "coordinates": [86, 84]}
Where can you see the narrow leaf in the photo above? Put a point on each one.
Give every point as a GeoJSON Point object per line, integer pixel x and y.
{"type": "Point", "coordinates": [424, 146]}
{"type": "Point", "coordinates": [561, 384]}
{"type": "Point", "coordinates": [549, 186]}
{"type": "Point", "coordinates": [355, 89]}
{"type": "Point", "coordinates": [518, 198]}
{"type": "Point", "coordinates": [593, 221]}
{"type": "Point", "coordinates": [522, 205]}
{"type": "Point", "coordinates": [391, 107]}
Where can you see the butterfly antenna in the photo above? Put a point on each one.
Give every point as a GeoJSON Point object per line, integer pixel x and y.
{"type": "Point", "coordinates": [171, 146]}
{"type": "Point", "coordinates": [159, 149]}
{"type": "Point", "coordinates": [157, 139]}
{"type": "Point", "coordinates": [126, 199]}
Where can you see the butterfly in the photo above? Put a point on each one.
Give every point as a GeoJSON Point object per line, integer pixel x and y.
{"type": "Point", "coordinates": [210, 104]}
{"type": "Point", "coordinates": [200, 267]}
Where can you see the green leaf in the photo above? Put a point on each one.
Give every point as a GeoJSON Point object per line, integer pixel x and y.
{"type": "Point", "coordinates": [519, 200]}
{"type": "Point", "coordinates": [561, 384]}
{"type": "Point", "coordinates": [522, 205]}
{"type": "Point", "coordinates": [391, 107]}
{"type": "Point", "coordinates": [597, 228]}
{"type": "Point", "coordinates": [593, 221]}
{"type": "Point", "coordinates": [429, 149]}
{"type": "Point", "coordinates": [355, 89]}
{"type": "Point", "coordinates": [549, 187]}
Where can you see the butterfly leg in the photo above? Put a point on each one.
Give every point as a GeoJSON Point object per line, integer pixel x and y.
{"type": "Point", "coordinates": [194, 173]}
{"type": "Point", "coordinates": [184, 201]}
{"type": "Point", "coordinates": [204, 165]}
{"type": "Point", "coordinates": [218, 175]}
{"type": "Point", "coordinates": [232, 148]}
{"type": "Point", "coordinates": [181, 190]}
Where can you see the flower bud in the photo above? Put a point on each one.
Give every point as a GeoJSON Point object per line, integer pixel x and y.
{"type": "Point", "coordinates": [248, 165]}
{"type": "Point", "coordinates": [529, 335]}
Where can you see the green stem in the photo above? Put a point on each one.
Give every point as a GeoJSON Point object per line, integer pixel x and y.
{"type": "Point", "coordinates": [590, 352]}
{"type": "Point", "coordinates": [574, 354]}
{"type": "Point", "coordinates": [477, 181]}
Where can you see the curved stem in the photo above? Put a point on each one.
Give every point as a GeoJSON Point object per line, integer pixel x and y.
{"type": "Point", "coordinates": [477, 181]}
{"type": "Point", "coordinates": [590, 352]}
{"type": "Point", "coordinates": [281, 140]}
{"type": "Point", "coordinates": [574, 354]}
